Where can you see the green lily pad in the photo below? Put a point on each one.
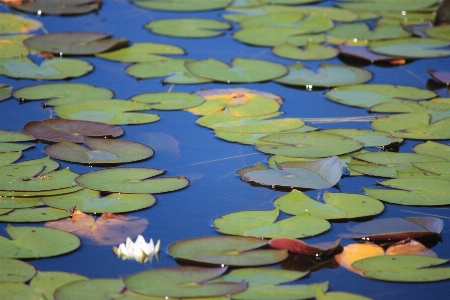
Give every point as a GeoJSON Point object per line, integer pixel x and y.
{"type": "Point", "coordinates": [13, 270]}
{"type": "Point", "coordinates": [5, 91]}
{"type": "Point", "coordinates": [4, 211]}
{"type": "Point", "coordinates": [174, 69]}
{"type": "Point", "coordinates": [99, 151]}
{"type": "Point", "coordinates": [169, 100]}
{"type": "Point", "coordinates": [95, 289]}
{"type": "Point", "coordinates": [46, 163]}
{"type": "Point", "coordinates": [12, 46]}
{"type": "Point", "coordinates": [241, 70]}
{"type": "Point", "coordinates": [307, 144]}
{"type": "Point", "coordinates": [11, 23]}
{"type": "Point", "coordinates": [367, 95]}
{"type": "Point", "coordinates": [361, 31]}
{"type": "Point", "coordinates": [49, 69]}
{"type": "Point", "coordinates": [274, 18]}
{"type": "Point", "coordinates": [335, 206]}
{"type": "Point", "coordinates": [62, 93]}
{"type": "Point", "coordinates": [369, 138]}
{"type": "Point", "coordinates": [14, 136]}
{"type": "Point", "coordinates": [311, 51]}
{"type": "Point", "coordinates": [434, 149]}
{"type": "Point", "coordinates": [188, 27]}
{"type": "Point", "coordinates": [74, 43]}
{"type": "Point", "coordinates": [439, 32]}
{"type": "Point", "coordinates": [386, 5]}
{"type": "Point", "coordinates": [40, 214]}
{"type": "Point", "coordinates": [142, 52]}
{"type": "Point", "coordinates": [182, 282]}
{"type": "Point", "coordinates": [36, 242]}
{"type": "Point", "coordinates": [413, 126]}
{"type": "Point", "coordinates": [131, 180]}
{"type": "Point", "coordinates": [413, 191]}
{"type": "Point", "coordinates": [7, 158]}
{"type": "Point", "coordinates": [227, 250]}
{"type": "Point", "coordinates": [19, 202]}
{"type": "Point", "coordinates": [339, 296]}
{"type": "Point", "coordinates": [90, 201]}
{"type": "Point", "coordinates": [33, 194]}
{"type": "Point", "coordinates": [114, 112]}
{"type": "Point", "coordinates": [403, 268]}
{"type": "Point", "coordinates": [45, 283]}
{"type": "Point", "coordinates": [13, 147]}
{"type": "Point", "coordinates": [260, 223]}
{"type": "Point", "coordinates": [318, 174]}
{"type": "Point", "coordinates": [327, 75]}
{"type": "Point", "coordinates": [417, 47]}
{"type": "Point", "coordinates": [182, 5]}
{"type": "Point", "coordinates": [58, 7]}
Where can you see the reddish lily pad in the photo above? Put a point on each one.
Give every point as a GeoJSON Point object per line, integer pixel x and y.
{"type": "Point", "coordinates": [58, 7]}
{"type": "Point", "coordinates": [300, 247]}
{"type": "Point", "coordinates": [440, 75]}
{"type": "Point", "coordinates": [362, 53]}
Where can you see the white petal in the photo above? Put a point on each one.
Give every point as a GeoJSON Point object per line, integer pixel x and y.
{"type": "Point", "coordinates": [123, 251]}
{"type": "Point", "coordinates": [158, 245]}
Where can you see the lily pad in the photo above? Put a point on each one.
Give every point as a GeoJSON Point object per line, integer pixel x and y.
{"type": "Point", "coordinates": [327, 75]}
{"type": "Point", "coordinates": [13, 270]}
{"type": "Point", "coordinates": [300, 247]}
{"type": "Point", "coordinates": [45, 283]}
{"type": "Point", "coordinates": [142, 52]}
{"type": "Point", "coordinates": [386, 5]}
{"type": "Point", "coordinates": [49, 69]}
{"type": "Point", "coordinates": [440, 75]}
{"type": "Point", "coordinates": [114, 112]}
{"type": "Point", "coordinates": [188, 27]}
{"type": "Point", "coordinates": [36, 242]}
{"type": "Point", "coordinates": [260, 223]}
{"type": "Point", "coordinates": [33, 194]}
{"type": "Point", "coordinates": [362, 53]}
{"type": "Point", "coordinates": [354, 252]}
{"type": "Point", "coordinates": [7, 158]}
{"type": "Point", "coordinates": [417, 47]}
{"type": "Point", "coordinates": [62, 93]}
{"type": "Point", "coordinates": [227, 250]}
{"type": "Point", "coordinates": [369, 138]}
{"type": "Point", "coordinates": [131, 180]}
{"type": "Point", "coordinates": [5, 92]}
{"type": "Point", "coordinates": [11, 23]}
{"type": "Point", "coordinates": [241, 70]}
{"type": "Point", "coordinates": [169, 101]}
{"type": "Point", "coordinates": [182, 282]}
{"type": "Point", "coordinates": [307, 144]}
{"type": "Point", "coordinates": [58, 7]}
{"type": "Point", "coordinates": [339, 296]}
{"type": "Point", "coordinates": [12, 46]}
{"type": "Point", "coordinates": [19, 202]}
{"type": "Point", "coordinates": [311, 51]}
{"type": "Point", "coordinates": [90, 201]}
{"type": "Point", "coordinates": [367, 95]}
{"type": "Point", "coordinates": [94, 289]}
{"type": "Point", "coordinates": [7, 136]}
{"type": "Point", "coordinates": [361, 31]}
{"type": "Point", "coordinates": [109, 229]}
{"type": "Point", "coordinates": [40, 214]}
{"type": "Point", "coordinates": [434, 149]}
{"type": "Point", "coordinates": [74, 43]}
{"type": "Point", "coordinates": [182, 5]}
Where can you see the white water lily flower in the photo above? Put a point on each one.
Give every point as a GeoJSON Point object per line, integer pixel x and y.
{"type": "Point", "coordinates": [140, 250]}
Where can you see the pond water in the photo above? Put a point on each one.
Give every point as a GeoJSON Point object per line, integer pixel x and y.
{"type": "Point", "coordinates": [184, 148]}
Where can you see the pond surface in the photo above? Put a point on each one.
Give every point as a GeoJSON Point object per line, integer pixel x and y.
{"type": "Point", "coordinates": [184, 148]}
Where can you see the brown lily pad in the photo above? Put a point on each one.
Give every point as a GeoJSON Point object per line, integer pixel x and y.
{"type": "Point", "coordinates": [300, 247]}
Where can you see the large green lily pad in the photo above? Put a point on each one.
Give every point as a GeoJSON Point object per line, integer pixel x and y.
{"type": "Point", "coordinates": [169, 100]}
{"type": "Point", "coordinates": [434, 149]}
{"type": "Point", "coordinates": [417, 47]}
{"type": "Point", "coordinates": [34, 194]}
{"type": "Point", "coordinates": [361, 31]}
{"type": "Point", "coordinates": [58, 7]}
{"type": "Point", "coordinates": [386, 5]}
{"type": "Point", "coordinates": [188, 27]}
{"type": "Point", "coordinates": [36, 242]}
{"type": "Point", "coordinates": [7, 158]}
{"type": "Point", "coordinates": [40, 214]}
{"type": "Point", "coordinates": [182, 5]}
{"type": "Point", "coordinates": [439, 32]}
{"type": "Point", "coordinates": [13, 270]}
{"type": "Point", "coordinates": [12, 46]}
{"type": "Point", "coordinates": [327, 75]}
{"type": "Point", "coordinates": [131, 180]}
{"type": "Point", "coordinates": [11, 23]}
{"type": "Point", "coordinates": [95, 289]}
{"type": "Point", "coordinates": [241, 70]}
{"type": "Point", "coordinates": [7, 136]}
{"type": "Point", "coordinates": [5, 91]}
{"type": "Point", "coordinates": [62, 93]}
{"type": "Point", "coordinates": [45, 283]}
{"type": "Point", "coordinates": [227, 250]}
{"type": "Point", "coordinates": [311, 51]}
{"type": "Point", "coordinates": [19, 202]}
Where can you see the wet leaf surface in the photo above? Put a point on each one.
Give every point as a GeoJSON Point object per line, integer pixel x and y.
{"type": "Point", "coordinates": [182, 5]}
{"type": "Point", "coordinates": [55, 7]}
{"type": "Point", "coordinates": [169, 101]}
{"type": "Point", "coordinates": [300, 247]}
{"type": "Point", "coordinates": [94, 289]}
{"type": "Point", "coordinates": [417, 47]}
{"type": "Point", "coordinates": [13, 270]}
{"type": "Point", "coordinates": [10, 23]}
{"type": "Point", "coordinates": [311, 51]}
{"type": "Point", "coordinates": [29, 215]}
{"type": "Point", "coordinates": [45, 283]}
{"type": "Point", "coordinates": [188, 27]}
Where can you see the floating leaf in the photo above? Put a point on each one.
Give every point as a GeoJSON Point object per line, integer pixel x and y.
{"type": "Point", "coordinates": [18, 202]}
{"type": "Point", "coordinates": [45, 283]}
{"type": "Point", "coordinates": [5, 91]}
{"type": "Point", "coordinates": [319, 174]}
{"type": "Point", "coordinates": [12, 46]}
{"type": "Point", "coordinates": [169, 101]}
{"type": "Point", "coordinates": [31, 194]}
{"type": "Point", "coordinates": [63, 93]}
{"type": "Point", "coordinates": [131, 180]}
{"type": "Point", "coordinates": [188, 27]}
{"type": "Point", "coordinates": [9, 157]}
{"type": "Point", "coordinates": [227, 250]}
{"type": "Point", "coordinates": [440, 76]}
{"type": "Point", "coordinates": [182, 5]}
{"type": "Point", "coordinates": [434, 149]}
{"type": "Point", "coordinates": [40, 214]}
{"type": "Point", "coordinates": [311, 51]}
{"type": "Point", "coordinates": [361, 31]}
{"type": "Point", "coordinates": [327, 75]}
{"type": "Point", "coordinates": [58, 7]}
{"type": "Point", "coordinates": [367, 95]}
{"type": "Point", "coordinates": [241, 70]}
{"type": "Point", "coordinates": [36, 242]}
{"type": "Point", "coordinates": [74, 43]}
{"type": "Point", "coordinates": [369, 138]}
{"type": "Point", "coordinates": [300, 247]}
{"type": "Point", "coordinates": [339, 296]}
{"type": "Point", "coordinates": [90, 201]}
{"type": "Point", "coordinates": [307, 144]}
{"type": "Point", "coordinates": [49, 69]}
{"type": "Point", "coordinates": [142, 52]}
{"type": "Point", "coordinates": [417, 47]}
{"type": "Point", "coordinates": [11, 23]}
{"type": "Point", "coordinates": [7, 136]}
{"type": "Point", "coordinates": [354, 252]}
{"type": "Point", "coordinates": [13, 270]}
{"type": "Point", "coordinates": [95, 289]}
{"type": "Point", "coordinates": [109, 229]}
{"type": "Point", "coordinates": [386, 5]}
{"type": "Point", "coordinates": [362, 53]}
{"type": "Point", "coordinates": [409, 246]}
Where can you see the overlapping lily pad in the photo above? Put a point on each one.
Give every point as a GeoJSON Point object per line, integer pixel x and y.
{"type": "Point", "coordinates": [11, 23]}
{"type": "Point", "coordinates": [362, 53]}
{"type": "Point", "coordinates": [440, 75]}
{"type": "Point", "coordinates": [131, 180]}
{"type": "Point", "coordinates": [433, 148]}
{"type": "Point", "coordinates": [417, 47]}
{"type": "Point", "coordinates": [227, 250]}
{"type": "Point", "coordinates": [327, 75]}
{"type": "Point", "coordinates": [94, 289]}
{"type": "Point", "coordinates": [12, 46]}
{"type": "Point", "coordinates": [9, 157]}
{"type": "Point", "coordinates": [29, 215]}
{"type": "Point", "coordinates": [361, 31]}
{"type": "Point", "coordinates": [45, 283]}
{"type": "Point", "coordinates": [300, 247]}
{"type": "Point", "coordinates": [58, 7]}
{"type": "Point", "coordinates": [188, 27]}
{"type": "Point", "coordinates": [386, 5]}
{"type": "Point", "coordinates": [182, 5]}
{"type": "Point", "coordinates": [19, 202]}
{"type": "Point", "coordinates": [36, 242]}
{"type": "Point", "coordinates": [311, 51]}
{"type": "Point", "coordinates": [369, 138]}
{"type": "Point", "coordinates": [5, 91]}
{"type": "Point", "coordinates": [13, 270]}
{"type": "Point", "coordinates": [169, 101]}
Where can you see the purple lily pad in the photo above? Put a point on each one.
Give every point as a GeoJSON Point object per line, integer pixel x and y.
{"type": "Point", "coordinates": [440, 75]}
{"type": "Point", "coordinates": [300, 247]}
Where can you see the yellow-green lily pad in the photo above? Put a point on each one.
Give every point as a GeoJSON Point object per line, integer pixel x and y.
{"type": "Point", "coordinates": [182, 5]}
{"type": "Point", "coordinates": [11, 23]}
{"type": "Point", "coordinates": [169, 100]}
{"type": "Point", "coordinates": [311, 51]}
{"type": "Point", "coordinates": [417, 47]}
{"type": "Point", "coordinates": [13, 270]}
{"type": "Point", "coordinates": [188, 27]}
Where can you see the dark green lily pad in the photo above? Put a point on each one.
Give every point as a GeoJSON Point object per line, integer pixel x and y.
{"type": "Point", "coordinates": [99, 151]}
{"type": "Point", "coordinates": [13, 147]}
{"type": "Point", "coordinates": [174, 69]}
{"type": "Point", "coordinates": [386, 5]}
{"type": "Point", "coordinates": [318, 174]}
{"type": "Point", "coordinates": [46, 163]}
{"type": "Point", "coordinates": [261, 223]}
{"type": "Point", "coordinates": [227, 250]}
{"type": "Point", "coordinates": [182, 5]}
{"type": "Point", "coordinates": [36, 242]}
{"type": "Point", "coordinates": [7, 158]}
{"type": "Point", "coordinates": [367, 95]}
{"type": "Point", "coordinates": [131, 180]}
{"type": "Point", "coordinates": [74, 43]}
{"type": "Point", "coordinates": [95, 289]}
{"type": "Point", "coordinates": [241, 70]}
{"type": "Point", "coordinates": [19, 202]}
{"type": "Point", "coordinates": [300, 247]}
{"type": "Point", "coordinates": [13, 270]}
{"type": "Point", "coordinates": [62, 93]}
{"type": "Point", "coordinates": [4, 211]}
{"type": "Point", "coordinates": [327, 75]}
{"type": "Point", "coordinates": [188, 27]}
{"type": "Point", "coordinates": [114, 112]}
{"type": "Point", "coordinates": [40, 214]}
{"type": "Point", "coordinates": [12, 46]}
{"type": "Point", "coordinates": [142, 52]}
{"type": "Point", "coordinates": [45, 283]}
{"type": "Point", "coordinates": [361, 31]}
{"type": "Point", "coordinates": [434, 149]}
{"type": "Point", "coordinates": [439, 32]}
{"type": "Point", "coordinates": [33, 194]}
{"type": "Point", "coordinates": [169, 100]}
{"type": "Point", "coordinates": [11, 23]}
{"type": "Point", "coordinates": [90, 201]}
{"type": "Point", "coordinates": [417, 47]}
{"type": "Point", "coordinates": [403, 268]}
{"type": "Point", "coordinates": [413, 191]}
{"type": "Point", "coordinates": [49, 69]}
{"type": "Point", "coordinates": [58, 7]}
{"type": "Point", "coordinates": [311, 51]}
